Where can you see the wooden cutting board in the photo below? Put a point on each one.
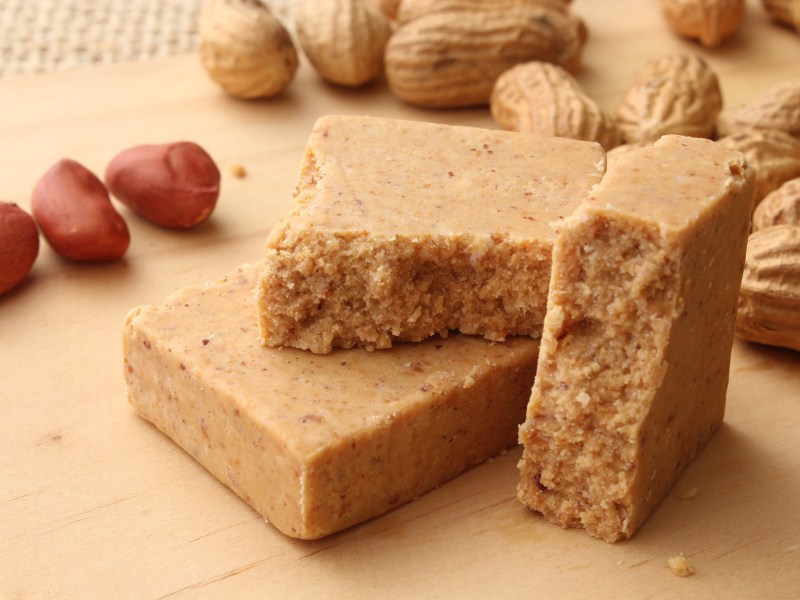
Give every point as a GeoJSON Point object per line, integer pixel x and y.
{"type": "Point", "coordinates": [97, 503]}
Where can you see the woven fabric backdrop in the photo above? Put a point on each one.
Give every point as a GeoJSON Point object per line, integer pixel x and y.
{"type": "Point", "coordinates": [38, 36]}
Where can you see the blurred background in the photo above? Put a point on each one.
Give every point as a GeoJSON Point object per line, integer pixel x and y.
{"type": "Point", "coordinates": [38, 36]}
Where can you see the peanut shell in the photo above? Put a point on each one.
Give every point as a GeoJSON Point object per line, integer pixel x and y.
{"type": "Point", "coordinates": [453, 58]}
{"type": "Point", "coordinates": [769, 298]}
{"type": "Point", "coordinates": [774, 154]}
{"type": "Point", "coordinates": [343, 39]}
{"type": "Point", "coordinates": [543, 98]}
{"type": "Point", "coordinates": [245, 49]}
{"type": "Point", "coordinates": [709, 21]}
{"type": "Point", "coordinates": [414, 9]}
{"type": "Point", "coordinates": [780, 207]}
{"type": "Point", "coordinates": [675, 94]}
{"type": "Point", "coordinates": [777, 108]}
{"type": "Point", "coordinates": [786, 12]}
{"type": "Point", "coordinates": [388, 7]}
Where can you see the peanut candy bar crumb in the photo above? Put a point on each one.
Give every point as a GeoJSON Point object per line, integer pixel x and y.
{"type": "Point", "coordinates": [469, 380]}
{"type": "Point", "coordinates": [680, 566]}
{"type": "Point", "coordinates": [237, 170]}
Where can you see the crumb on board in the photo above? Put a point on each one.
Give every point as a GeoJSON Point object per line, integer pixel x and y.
{"type": "Point", "coordinates": [680, 565]}
{"type": "Point", "coordinates": [237, 170]}
{"type": "Point", "coordinates": [686, 494]}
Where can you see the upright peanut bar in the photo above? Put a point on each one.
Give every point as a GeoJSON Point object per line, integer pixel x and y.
{"type": "Point", "coordinates": [636, 345]}
{"type": "Point", "coordinates": [400, 230]}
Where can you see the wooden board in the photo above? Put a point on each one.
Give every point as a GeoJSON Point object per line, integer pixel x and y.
{"type": "Point", "coordinates": [97, 503]}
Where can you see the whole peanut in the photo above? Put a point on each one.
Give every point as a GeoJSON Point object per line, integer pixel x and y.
{"type": "Point", "coordinates": [777, 107]}
{"type": "Point", "coordinates": [73, 210]}
{"type": "Point", "coordinates": [786, 12]}
{"type": "Point", "coordinates": [676, 93]}
{"type": "Point", "coordinates": [539, 97]}
{"type": "Point", "coordinates": [779, 207]}
{"type": "Point", "coordinates": [775, 154]}
{"type": "Point", "coordinates": [19, 245]}
{"type": "Point", "coordinates": [709, 21]}
{"type": "Point", "coordinates": [173, 185]}
{"type": "Point", "coordinates": [769, 297]}
{"type": "Point", "coordinates": [245, 49]}
{"type": "Point", "coordinates": [452, 59]}
{"type": "Point", "coordinates": [343, 39]}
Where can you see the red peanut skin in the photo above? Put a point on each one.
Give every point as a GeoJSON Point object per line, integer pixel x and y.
{"type": "Point", "coordinates": [173, 185]}
{"type": "Point", "coordinates": [19, 245]}
{"type": "Point", "coordinates": [76, 216]}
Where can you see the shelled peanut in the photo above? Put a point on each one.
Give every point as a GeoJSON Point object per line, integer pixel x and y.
{"type": "Point", "coordinates": [73, 210]}
{"type": "Point", "coordinates": [172, 185]}
{"type": "Point", "coordinates": [19, 245]}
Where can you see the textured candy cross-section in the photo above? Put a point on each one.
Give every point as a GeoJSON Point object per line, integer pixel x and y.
{"type": "Point", "coordinates": [636, 345]}
{"type": "Point", "coordinates": [400, 230]}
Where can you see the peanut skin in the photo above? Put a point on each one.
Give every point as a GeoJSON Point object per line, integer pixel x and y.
{"type": "Point", "coordinates": [73, 210]}
{"type": "Point", "coordinates": [19, 245]}
{"type": "Point", "coordinates": [172, 185]}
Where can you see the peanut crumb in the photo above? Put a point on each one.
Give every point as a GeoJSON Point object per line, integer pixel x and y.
{"type": "Point", "coordinates": [680, 566]}
{"type": "Point", "coordinates": [237, 170]}
{"type": "Point", "coordinates": [469, 380]}
{"type": "Point", "coordinates": [688, 493]}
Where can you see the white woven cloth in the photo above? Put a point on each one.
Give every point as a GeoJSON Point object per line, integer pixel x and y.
{"type": "Point", "coordinates": [38, 36]}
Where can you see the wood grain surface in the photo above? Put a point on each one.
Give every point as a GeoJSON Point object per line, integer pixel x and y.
{"type": "Point", "coordinates": [94, 502]}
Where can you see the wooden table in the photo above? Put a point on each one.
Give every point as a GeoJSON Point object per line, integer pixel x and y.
{"type": "Point", "coordinates": [97, 503]}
